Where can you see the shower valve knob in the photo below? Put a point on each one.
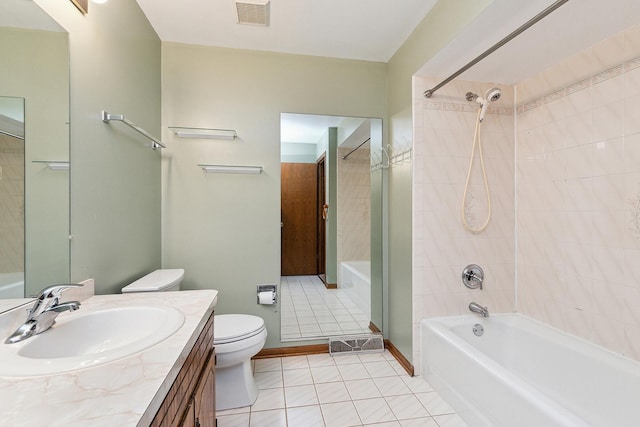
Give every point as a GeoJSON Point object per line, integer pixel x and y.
{"type": "Point", "coordinates": [473, 276]}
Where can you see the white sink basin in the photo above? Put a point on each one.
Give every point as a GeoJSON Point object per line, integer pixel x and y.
{"type": "Point", "coordinates": [83, 340]}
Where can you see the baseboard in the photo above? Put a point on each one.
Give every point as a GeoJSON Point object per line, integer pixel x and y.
{"type": "Point", "coordinates": [399, 357]}
{"type": "Point", "coordinates": [301, 350]}
{"type": "Point", "coordinates": [330, 285]}
{"type": "Point", "coordinates": [373, 328]}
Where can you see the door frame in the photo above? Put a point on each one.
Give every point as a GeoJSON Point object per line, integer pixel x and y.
{"type": "Point", "coordinates": [321, 228]}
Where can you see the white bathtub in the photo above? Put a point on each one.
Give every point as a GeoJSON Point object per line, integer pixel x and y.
{"type": "Point", "coordinates": [523, 373]}
{"type": "Point", "coordinates": [355, 280]}
{"type": "Point", "coordinates": [11, 285]}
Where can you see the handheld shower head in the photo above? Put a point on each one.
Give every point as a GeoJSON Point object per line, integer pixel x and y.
{"type": "Point", "coordinates": [492, 95]}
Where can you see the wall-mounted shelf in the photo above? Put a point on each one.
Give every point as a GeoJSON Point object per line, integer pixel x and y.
{"type": "Point", "coordinates": [55, 165]}
{"type": "Point", "coordinates": [203, 133]}
{"type": "Point", "coordinates": [231, 169]}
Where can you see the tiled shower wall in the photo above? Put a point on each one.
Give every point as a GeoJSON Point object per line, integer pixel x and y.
{"type": "Point", "coordinates": [354, 206]}
{"type": "Point", "coordinates": [443, 133]}
{"type": "Point", "coordinates": [577, 204]}
{"type": "Point", "coordinates": [11, 204]}
{"type": "Point", "coordinates": [578, 194]}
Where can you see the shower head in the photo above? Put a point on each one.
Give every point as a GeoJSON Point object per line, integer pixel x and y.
{"type": "Point", "coordinates": [492, 95]}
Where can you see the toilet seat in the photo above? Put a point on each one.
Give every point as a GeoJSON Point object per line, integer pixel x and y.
{"type": "Point", "coordinates": [230, 328]}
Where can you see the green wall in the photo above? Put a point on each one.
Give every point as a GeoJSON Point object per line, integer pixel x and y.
{"type": "Point", "coordinates": [434, 32]}
{"type": "Point", "coordinates": [115, 178]}
{"type": "Point", "coordinates": [225, 229]}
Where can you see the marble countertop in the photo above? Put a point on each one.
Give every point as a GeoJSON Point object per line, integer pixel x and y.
{"type": "Point", "coordinates": [10, 304]}
{"type": "Point", "coordinates": [125, 392]}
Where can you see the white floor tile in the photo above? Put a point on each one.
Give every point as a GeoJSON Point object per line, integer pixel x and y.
{"type": "Point", "coordinates": [295, 362]}
{"type": "Point", "coordinates": [346, 359]}
{"type": "Point", "coordinates": [332, 392]}
{"type": "Point", "coordinates": [380, 369]}
{"type": "Point", "coordinates": [353, 372]}
{"type": "Point", "coordinates": [234, 420]}
{"type": "Point", "coordinates": [310, 330]}
{"type": "Point", "coordinates": [271, 379]}
{"type": "Point", "coordinates": [302, 395]}
{"type": "Point", "coordinates": [276, 418]}
{"type": "Point", "coordinates": [320, 360]}
{"type": "Point", "coordinates": [387, 424]}
{"type": "Point", "coordinates": [372, 357]}
{"type": "Point", "coordinates": [391, 386]}
{"type": "Point", "coordinates": [330, 328]}
{"type": "Point", "coordinates": [435, 404]}
{"type": "Point", "coordinates": [406, 407]}
{"type": "Point", "coordinates": [305, 416]}
{"type": "Point", "coordinates": [417, 384]}
{"type": "Point", "coordinates": [272, 398]}
{"type": "Point", "coordinates": [451, 420]}
{"type": "Point", "coordinates": [419, 422]}
{"type": "Point", "coordinates": [306, 301]}
{"type": "Point", "coordinates": [325, 374]}
{"type": "Point", "coordinates": [341, 414]}
{"type": "Point", "coordinates": [293, 377]}
{"type": "Point", "coordinates": [362, 389]}
{"type": "Point", "coordinates": [374, 411]}
{"type": "Point", "coordinates": [243, 409]}
{"type": "Point", "coordinates": [266, 365]}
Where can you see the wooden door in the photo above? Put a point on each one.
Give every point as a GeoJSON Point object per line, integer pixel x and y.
{"type": "Point", "coordinates": [298, 216]}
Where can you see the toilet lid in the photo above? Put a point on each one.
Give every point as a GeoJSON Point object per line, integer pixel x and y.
{"type": "Point", "coordinates": [156, 281]}
{"type": "Point", "coordinates": [235, 327]}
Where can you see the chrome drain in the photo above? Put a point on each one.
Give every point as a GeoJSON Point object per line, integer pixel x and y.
{"type": "Point", "coordinates": [478, 329]}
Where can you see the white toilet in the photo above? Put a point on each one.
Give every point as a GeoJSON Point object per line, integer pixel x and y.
{"type": "Point", "coordinates": [162, 280]}
{"type": "Point", "coordinates": [236, 338]}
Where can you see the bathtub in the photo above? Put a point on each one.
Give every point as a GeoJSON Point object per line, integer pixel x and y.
{"type": "Point", "coordinates": [11, 285]}
{"type": "Point", "coordinates": [523, 373]}
{"type": "Point", "coordinates": [355, 280]}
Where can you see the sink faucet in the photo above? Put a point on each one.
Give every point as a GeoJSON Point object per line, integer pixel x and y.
{"type": "Point", "coordinates": [477, 308]}
{"type": "Point", "coordinates": [44, 312]}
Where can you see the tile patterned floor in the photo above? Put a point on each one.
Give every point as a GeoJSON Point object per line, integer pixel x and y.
{"type": "Point", "coordinates": [309, 310]}
{"type": "Point", "coordinates": [341, 391]}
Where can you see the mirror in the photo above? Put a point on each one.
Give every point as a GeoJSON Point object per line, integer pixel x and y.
{"type": "Point", "coordinates": [34, 162]}
{"type": "Point", "coordinates": [12, 197]}
{"type": "Point", "coordinates": [331, 181]}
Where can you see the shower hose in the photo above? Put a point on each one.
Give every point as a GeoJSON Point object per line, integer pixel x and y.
{"type": "Point", "coordinates": [477, 141]}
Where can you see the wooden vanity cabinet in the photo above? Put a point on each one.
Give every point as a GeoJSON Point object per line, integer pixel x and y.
{"type": "Point", "coordinates": [191, 401]}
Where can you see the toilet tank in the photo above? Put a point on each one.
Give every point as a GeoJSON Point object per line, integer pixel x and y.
{"type": "Point", "coordinates": [162, 280]}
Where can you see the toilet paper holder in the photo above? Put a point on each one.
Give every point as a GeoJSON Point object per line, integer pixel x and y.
{"type": "Point", "coordinates": [267, 288]}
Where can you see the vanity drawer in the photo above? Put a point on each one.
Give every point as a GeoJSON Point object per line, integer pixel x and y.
{"type": "Point", "coordinates": [177, 401]}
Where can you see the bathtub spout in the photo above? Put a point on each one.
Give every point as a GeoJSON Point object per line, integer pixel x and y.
{"type": "Point", "coordinates": [477, 308]}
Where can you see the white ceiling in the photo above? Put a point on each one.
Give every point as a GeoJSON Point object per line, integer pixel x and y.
{"type": "Point", "coordinates": [311, 128]}
{"type": "Point", "coordinates": [575, 26]}
{"type": "Point", "coordinates": [371, 30]}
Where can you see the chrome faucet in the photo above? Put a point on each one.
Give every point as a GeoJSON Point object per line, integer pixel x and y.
{"type": "Point", "coordinates": [44, 312]}
{"type": "Point", "coordinates": [477, 308]}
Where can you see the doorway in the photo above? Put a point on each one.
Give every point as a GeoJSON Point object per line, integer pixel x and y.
{"type": "Point", "coordinates": [299, 226]}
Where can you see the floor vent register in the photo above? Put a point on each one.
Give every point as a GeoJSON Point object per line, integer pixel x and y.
{"type": "Point", "coordinates": [356, 344]}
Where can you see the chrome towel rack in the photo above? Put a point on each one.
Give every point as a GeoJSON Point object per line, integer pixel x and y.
{"type": "Point", "coordinates": [106, 117]}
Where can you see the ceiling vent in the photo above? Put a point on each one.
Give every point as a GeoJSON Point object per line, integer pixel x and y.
{"type": "Point", "coordinates": [253, 12]}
